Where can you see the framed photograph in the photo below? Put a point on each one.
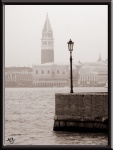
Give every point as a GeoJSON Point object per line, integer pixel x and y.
{"type": "Point", "coordinates": [56, 74]}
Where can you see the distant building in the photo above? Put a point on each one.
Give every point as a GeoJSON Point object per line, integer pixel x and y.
{"type": "Point", "coordinates": [50, 74]}
{"type": "Point", "coordinates": [18, 77]}
{"type": "Point", "coordinates": [93, 73]}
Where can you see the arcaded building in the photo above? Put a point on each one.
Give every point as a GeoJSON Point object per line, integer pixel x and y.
{"type": "Point", "coordinates": [50, 74]}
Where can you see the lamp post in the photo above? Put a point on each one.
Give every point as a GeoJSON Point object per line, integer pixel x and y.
{"type": "Point", "coordinates": [70, 47]}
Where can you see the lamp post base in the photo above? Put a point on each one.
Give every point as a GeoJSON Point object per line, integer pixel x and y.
{"type": "Point", "coordinates": [71, 91]}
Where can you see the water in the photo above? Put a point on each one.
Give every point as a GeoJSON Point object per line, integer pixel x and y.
{"type": "Point", "coordinates": [29, 114]}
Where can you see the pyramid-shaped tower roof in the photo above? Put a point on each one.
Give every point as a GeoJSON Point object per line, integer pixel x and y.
{"type": "Point", "coordinates": [47, 25]}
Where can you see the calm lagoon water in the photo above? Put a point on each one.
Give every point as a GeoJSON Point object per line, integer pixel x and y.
{"type": "Point", "coordinates": [29, 114]}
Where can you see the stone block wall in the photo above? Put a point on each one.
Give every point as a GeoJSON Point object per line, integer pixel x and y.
{"type": "Point", "coordinates": [80, 107]}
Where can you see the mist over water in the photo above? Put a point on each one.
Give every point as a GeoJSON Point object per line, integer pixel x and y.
{"type": "Point", "coordinates": [29, 118]}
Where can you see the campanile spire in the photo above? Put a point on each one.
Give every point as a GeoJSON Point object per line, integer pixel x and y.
{"type": "Point", "coordinates": [47, 43]}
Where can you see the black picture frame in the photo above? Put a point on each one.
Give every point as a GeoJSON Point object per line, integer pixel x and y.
{"type": "Point", "coordinates": [56, 2]}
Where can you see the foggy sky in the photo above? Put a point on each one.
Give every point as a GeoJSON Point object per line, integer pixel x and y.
{"type": "Point", "coordinates": [86, 25]}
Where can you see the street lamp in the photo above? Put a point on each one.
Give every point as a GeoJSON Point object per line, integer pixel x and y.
{"type": "Point", "coordinates": [70, 47]}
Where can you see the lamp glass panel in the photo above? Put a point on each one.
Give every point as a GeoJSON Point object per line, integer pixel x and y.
{"type": "Point", "coordinates": [70, 45]}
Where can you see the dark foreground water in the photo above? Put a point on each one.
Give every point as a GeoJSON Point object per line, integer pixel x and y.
{"type": "Point", "coordinates": [29, 114]}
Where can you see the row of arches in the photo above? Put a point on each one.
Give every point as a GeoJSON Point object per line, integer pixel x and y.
{"type": "Point", "coordinates": [88, 77]}
{"type": "Point", "coordinates": [48, 72]}
{"type": "Point", "coordinates": [45, 84]}
{"type": "Point", "coordinates": [85, 82]}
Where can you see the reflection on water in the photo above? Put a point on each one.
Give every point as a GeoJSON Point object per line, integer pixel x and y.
{"type": "Point", "coordinates": [29, 120]}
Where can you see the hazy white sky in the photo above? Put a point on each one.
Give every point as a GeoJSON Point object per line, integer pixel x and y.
{"type": "Point", "coordinates": [86, 25]}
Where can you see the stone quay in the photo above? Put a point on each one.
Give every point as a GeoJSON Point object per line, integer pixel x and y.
{"type": "Point", "coordinates": [85, 112]}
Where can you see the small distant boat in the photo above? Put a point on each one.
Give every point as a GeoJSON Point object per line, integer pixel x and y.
{"type": "Point", "coordinates": [106, 86]}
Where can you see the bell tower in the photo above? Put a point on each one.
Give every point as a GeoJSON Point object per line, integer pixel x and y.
{"type": "Point", "coordinates": [47, 43]}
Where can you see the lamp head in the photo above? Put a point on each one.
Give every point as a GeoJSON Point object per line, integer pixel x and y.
{"type": "Point", "coordinates": [70, 45]}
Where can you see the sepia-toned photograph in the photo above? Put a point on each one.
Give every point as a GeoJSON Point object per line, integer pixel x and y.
{"type": "Point", "coordinates": [56, 75]}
